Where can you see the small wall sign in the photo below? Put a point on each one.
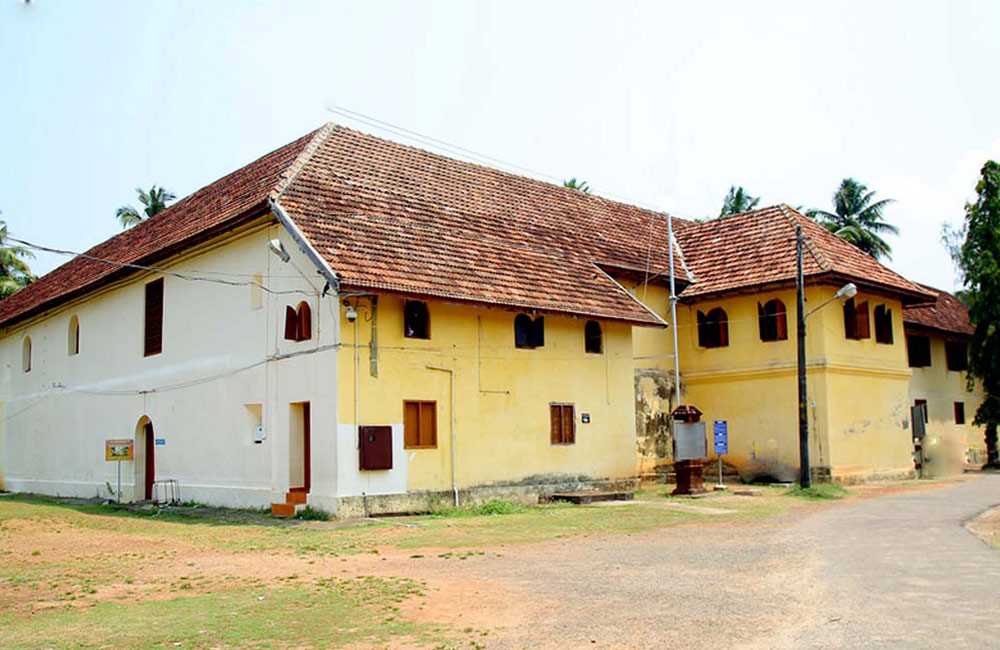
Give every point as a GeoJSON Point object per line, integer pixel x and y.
{"type": "Point", "coordinates": [119, 450]}
{"type": "Point", "coordinates": [585, 418]}
{"type": "Point", "coordinates": [160, 442]}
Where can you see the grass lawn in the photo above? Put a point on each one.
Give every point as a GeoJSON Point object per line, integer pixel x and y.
{"type": "Point", "coordinates": [83, 576]}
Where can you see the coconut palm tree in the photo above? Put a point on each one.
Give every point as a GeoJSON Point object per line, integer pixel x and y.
{"type": "Point", "coordinates": [738, 200]}
{"type": "Point", "coordinates": [155, 200]}
{"type": "Point", "coordinates": [857, 218]}
{"type": "Point", "coordinates": [14, 271]}
{"type": "Point", "coordinates": [574, 184]}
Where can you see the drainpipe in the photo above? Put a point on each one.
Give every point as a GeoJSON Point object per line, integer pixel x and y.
{"type": "Point", "coordinates": [451, 405]}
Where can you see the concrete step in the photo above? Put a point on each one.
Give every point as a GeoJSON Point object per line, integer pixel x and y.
{"type": "Point", "coordinates": [296, 497]}
{"type": "Point", "coordinates": [591, 496]}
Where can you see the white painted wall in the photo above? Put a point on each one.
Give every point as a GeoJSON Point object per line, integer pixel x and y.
{"type": "Point", "coordinates": [196, 392]}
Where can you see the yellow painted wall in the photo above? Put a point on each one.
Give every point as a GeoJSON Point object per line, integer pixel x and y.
{"type": "Point", "coordinates": [502, 394]}
{"type": "Point", "coordinates": [947, 444]}
{"type": "Point", "coordinates": [858, 390]}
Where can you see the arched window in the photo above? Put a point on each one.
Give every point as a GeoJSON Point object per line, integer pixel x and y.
{"type": "Point", "coordinates": [298, 322]}
{"type": "Point", "coordinates": [416, 320]}
{"type": "Point", "coordinates": [593, 337]}
{"type": "Point", "coordinates": [773, 321]}
{"type": "Point", "coordinates": [74, 336]}
{"type": "Point", "coordinates": [713, 328]}
{"type": "Point", "coordinates": [529, 333]}
{"type": "Point", "coordinates": [26, 354]}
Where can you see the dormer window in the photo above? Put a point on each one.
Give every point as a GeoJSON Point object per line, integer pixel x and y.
{"type": "Point", "coordinates": [416, 320]}
{"type": "Point", "coordinates": [298, 322]}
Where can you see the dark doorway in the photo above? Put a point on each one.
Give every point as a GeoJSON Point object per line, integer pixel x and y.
{"type": "Point", "coordinates": [150, 470]}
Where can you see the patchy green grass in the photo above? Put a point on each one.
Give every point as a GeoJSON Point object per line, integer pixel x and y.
{"type": "Point", "coordinates": [819, 492]}
{"type": "Point", "coordinates": [329, 613]}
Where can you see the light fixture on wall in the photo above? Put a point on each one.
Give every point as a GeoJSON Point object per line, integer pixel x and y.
{"type": "Point", "coordinates": [279, 249]}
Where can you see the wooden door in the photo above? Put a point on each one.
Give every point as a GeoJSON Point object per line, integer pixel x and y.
{"type": "Point", "coordinates": [306, 459]}
{"type": "Point", "coordinates": [150, 444]}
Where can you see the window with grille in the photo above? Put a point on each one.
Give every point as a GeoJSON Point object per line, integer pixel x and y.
{"type": "Point", "coordinates": [857, 324]}
{"type": "Point", "coordinates": [883, 325]}
{"type": "Point", "coordinates": [153, 329]}
{"type": "Point", "coordinates": [419, 425]}
{"type": "Point", "coordinates": [713, 328]}
{"type": "Point", "coordinates": [773, 321]}
{"type": "Point", "coordinates": [562, 424]}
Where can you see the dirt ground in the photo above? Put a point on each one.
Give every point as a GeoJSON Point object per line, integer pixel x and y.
{"type": "Point", "coordinates": [686, 585]}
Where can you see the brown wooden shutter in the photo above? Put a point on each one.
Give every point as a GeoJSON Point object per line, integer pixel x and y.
{"type": "Point", "coordinates": [702, 333]}
{"type": "Point", "coordinates": [291, 324]}
{"type": "Point", "coordinates": [568, 425]}
{"type": "Point", "coordinates": [723, 328]}
{"type": "Point", "coordinates": [304, 321]}
{"type": "Point", "coordinates": [555, 423]}
{"type": "Point", "coordinates": [411, 424]}
{"type": "Point", "coordinates": [153, 329]}
{"type": "Point", "coordinates": [782, 321]}
{"type": "Point", "coordinates": [762, 322]}
{"type": "Point", "coordinates": [864, 324]}
{"type": "Point", "coordinates": [538, 332]}
{"type": "Point", "coordinates": [428, 424]}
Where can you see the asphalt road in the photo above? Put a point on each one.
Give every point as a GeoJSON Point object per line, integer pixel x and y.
{"type": "Point", "coordinates": [897, 571]}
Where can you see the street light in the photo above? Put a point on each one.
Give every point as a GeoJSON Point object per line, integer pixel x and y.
{"type": "Point", "coordinates": [849, 290]}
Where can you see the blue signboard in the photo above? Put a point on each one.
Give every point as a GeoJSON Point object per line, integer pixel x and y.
{"type": "Point", "coordinates": [160, 442]}
{"type": "Point", "coordinates": [721, 435]}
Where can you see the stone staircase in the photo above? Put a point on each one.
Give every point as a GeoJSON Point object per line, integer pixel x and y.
{"type": "Point", "coordinates": [295, 500]}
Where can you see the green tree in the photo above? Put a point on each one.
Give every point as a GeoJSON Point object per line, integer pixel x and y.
{"type": "Point", "coordinates": [14, 271]}
{"type": "Point", "coordinates": [155, 200]}
{"type": "Point", "coordinates": [574, 184]}
{"type": "Point", "coordinates": [857, 218]}
{"type": "Point", "coordinates": [738, 200]}
{"type": "Point", "coordinates": [976, 250]}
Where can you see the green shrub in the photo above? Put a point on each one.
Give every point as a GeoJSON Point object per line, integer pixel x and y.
{"type": "Point", "coordinates": [498, 507]}
{"type": "Point", "coordinates": [819, 491]}
{"type": "Point", "coordinates": [312, 514]}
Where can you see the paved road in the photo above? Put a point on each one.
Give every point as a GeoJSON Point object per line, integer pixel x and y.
{"type": "Point", "coordinates": [891, 572]}
{"type": "Point", "coordinates": [903, 572]}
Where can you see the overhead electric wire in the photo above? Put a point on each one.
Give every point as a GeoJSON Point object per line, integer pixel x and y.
{"type": "Point", "coordinates": [182, 276]}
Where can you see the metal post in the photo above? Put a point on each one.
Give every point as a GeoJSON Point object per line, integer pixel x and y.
{"type": "Point", "coordinates": [720, 470]}
{"type": "Point", "coordinates": [673, 309]}
{"type": "Point", "coordinates": [804, 474]}
{"type": "Point", "coordinates": [119, 492]}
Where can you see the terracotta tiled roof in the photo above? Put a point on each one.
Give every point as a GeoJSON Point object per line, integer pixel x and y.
{"type": "Point", "coordinates": [234, 198]}
{"type": "Point", "coordinates": [946, 314]}
{"type": "Point", "coordinates": [757, 248]}
{"type": "Point", "coordinates": [393, 218]}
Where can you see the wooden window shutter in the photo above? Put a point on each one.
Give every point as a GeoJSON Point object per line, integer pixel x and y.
{"type": "Point", "coordinates": [864, 325]}
{"type": "Point", "coordinates": [291, 324]}
{"type": "Point", "coordinates": [762, 322]}
{"type": "Point", "coordinates": [555, 423]}
{"type": "Point", "coordinates": [304, 314]}
{"type": "Point", "coordinates": [702, 329]}
{"type": "Point", "coordinates": [411, 424]}
{"type": "Point", "coordinates": [522, 331]}
{"type": "Point", "coordinates": [538, 332]}
{"type": "Point", "coordinates": [781, 316]}
{"type": "Point", "coordinates": [428, 424]}
{"type": "Point", "coordinates": [568, 425]}
{"type": "Point", "coordinates": [850, 320]}
{"type": "Point", "coordinates": [723, 328]}
{"type": "Point", "coordinates": [153, 326]}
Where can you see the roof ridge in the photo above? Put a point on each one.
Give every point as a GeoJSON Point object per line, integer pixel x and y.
{"type": "Point", "coordinates": [292, 172]}
{"type": "Point", "coordinates": [786, 211]}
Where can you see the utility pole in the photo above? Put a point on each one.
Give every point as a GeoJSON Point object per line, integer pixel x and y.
{"type": "Point", "coordinates": [805, 480]}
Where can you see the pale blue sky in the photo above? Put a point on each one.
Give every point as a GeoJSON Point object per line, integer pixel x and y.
{"type": "Point", "coordinates": [665, 103]}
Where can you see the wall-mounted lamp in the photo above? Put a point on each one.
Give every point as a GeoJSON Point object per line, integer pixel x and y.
{"type": "Point", "coordinates": [279, 249]}
{"type": "Point", "coordinates": [847, 291]}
